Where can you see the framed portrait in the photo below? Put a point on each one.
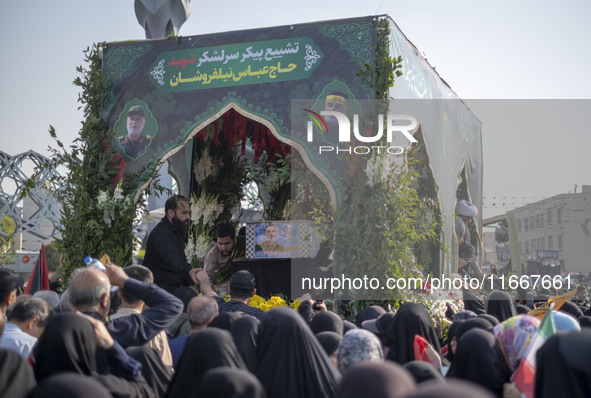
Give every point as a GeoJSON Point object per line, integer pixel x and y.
{"type": "Point", "coordinates": [281, 239]}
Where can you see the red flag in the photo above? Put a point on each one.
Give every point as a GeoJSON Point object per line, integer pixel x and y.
{"type": "Point", "coordinates": [39, 279]}
{"type": "Point", "coordinates": [424, 351]}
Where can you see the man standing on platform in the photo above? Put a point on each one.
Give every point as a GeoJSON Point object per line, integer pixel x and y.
{"type": "Point", "coordinates": [165, 249]}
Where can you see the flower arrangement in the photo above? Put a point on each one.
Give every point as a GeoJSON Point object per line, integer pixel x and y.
{"type": "Point", "coordinates": [257, 301]}
{"type": "Point", "coordinates": [114, 205]}
{"type": "Point", "coordinates": [205, 212]}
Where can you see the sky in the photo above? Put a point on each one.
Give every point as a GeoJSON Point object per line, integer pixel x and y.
{"type": "Point", "coordinates": [494, 55]}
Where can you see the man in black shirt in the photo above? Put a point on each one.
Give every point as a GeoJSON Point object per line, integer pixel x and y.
{"type": "Point", "coordinates": [165, 248]}
{"type": "Point", "coordinates": [242, 288]}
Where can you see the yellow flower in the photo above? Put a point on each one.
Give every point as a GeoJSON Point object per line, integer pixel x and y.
{"type": "Point", "coordinates": [276, 301]}
{"type": "Point", "coordinates": [295, 304]}
{"type": "Point", "coordinates": [256, 301]}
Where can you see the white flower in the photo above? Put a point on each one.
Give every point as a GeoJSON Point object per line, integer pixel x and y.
{"type": "Point", "coordinates": [117, 194]}
{"type": "Point", "coordinates": [206, 167]}
{"type": "Point", "coordinates": [202, 246]}
{"type": "Point", "coordinates": [102, 197]}
{"type": "Point", "coordinates": [107, 218]}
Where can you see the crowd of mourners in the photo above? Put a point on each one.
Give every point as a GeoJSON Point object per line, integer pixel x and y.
{"type": "Point", "coordinates": [116, 334]}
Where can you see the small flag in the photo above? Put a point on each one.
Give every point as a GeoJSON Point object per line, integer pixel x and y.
{"type": "Point", "coordinates": [524, 377]}
{"type": "Point", "coordinates": [39, 279]}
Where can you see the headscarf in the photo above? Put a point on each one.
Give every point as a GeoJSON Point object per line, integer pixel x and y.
{"type": "Point", "coordinates": [501, 305]}
{"type": "Point", "coordinates": [290, 361]}
{"type": "Point", "coordinates": [472, 302]}
{"type": "Point", "coordinates": [329, 341]}
{"type": "Point", "coordinates": [571, 308]}
{"type": "Point", "coordinates": [479, 360]}
{"type": "Point", "coordinates": [207, 349]}
{"type": "Point", "coordinates": [565, 322]}
{"type": "Point", "coordinates": [514, 336]}
{"type": "Point", "coordinates": [454, 388]}
{"type": "Point", "coordinates": [359, 346]}
{"type": "Point", "coordinates": [563, 368]}
{"type": "Point", "coordinates": [230, 383]}
{"type": "Point", "coordinates": [16, 376]}
{"type": "Point", "coordinates": [305, 310]}
{"type": "Point", "coordinates": [68, 344]}
{"type": "Point", "coordinates": [347, 325]}
{"type": "Point", "coordinates": [371, 312]}
{"type": "Point", "coordinates": [465, 314]}
{"type": "Point", "coordinates": [490, 318]}
{"type": "Point", "coordinates": [376, 380]}
{"type": "Point", "coordinates": [156, 374]}
{"type": "Point", "coordinates": [224, 320]}
{"type": "Point", "coordinates": [326, 321]}
{"type": "Point", "coordinates": [585, 321]}
{"type": "Point", "coordinates": [522, 309]}
{"type": "Point", "coordinates": [245, 330]}
{"type": "Point", "coordinates": [380, 325]}
{"type": "Point", "coordinates": [423, 371]}
{"type": "Point", "coordinates": [472, 323]}
{"type": "Point", "coordinates": [410, 320]}
{"type": "Point", "coordinates": [70, 385]}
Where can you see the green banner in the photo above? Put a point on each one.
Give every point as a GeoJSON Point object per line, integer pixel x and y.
{"type": "Point", "coordinates": [235, 65]}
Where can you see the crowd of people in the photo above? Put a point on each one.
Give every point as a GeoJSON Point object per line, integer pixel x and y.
{"type": "Point", "coordinates": [144, 331]}
{"type": "Point", "coordinates": [152, 343]}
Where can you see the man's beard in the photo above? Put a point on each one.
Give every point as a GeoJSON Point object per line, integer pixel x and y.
{"type": "Point", "coordinates": [180, 225]}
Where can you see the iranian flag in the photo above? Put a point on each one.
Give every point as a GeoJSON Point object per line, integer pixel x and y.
{"type": "Point", "coordinates": [524, 377]}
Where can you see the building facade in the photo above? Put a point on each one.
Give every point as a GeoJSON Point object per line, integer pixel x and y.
{"type": "Point", "coordinates": [557, 231]}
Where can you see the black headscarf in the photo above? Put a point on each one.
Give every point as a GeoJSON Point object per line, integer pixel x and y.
{"type": "Point", "coordinates": [70, 385]}
{"type": "Point", "coordinates": [326, 321]}
{"type": "Point", "coordinates": [376, 380]}
{"type": "Point", "coordinates": [207, 349]}
{"type": "Point", "coordinates": [305, 310]}
{"type": "Point", "coordinates": [224, 320]}
{"type": "Point", "coordinates": [68, 344]}
{"type": "Point", "coordinates": [572, 309]}
{"type": "Point", "coordinates": [329, 341]}
{"type": "Point", "coordinates": [472, 323]}
{"type": "Point", "coordinates": [371, 312]}
{"type": "Point", "coordinates": [230, 383]}
{"type": "Point", "coordinates": [472, 302]}
{"type": "Point", "coordinates": [347, 325]}
{"type": "Point", "coordinates": [245, 330]}
{"type": "Point", "coordinates": [454, 388]}
{"type": "Point", "coordinates": [490, 318]}
{"type": "Point", "coordinates": [479, 359]}
{"type": "Point", "coordinates": [501, 305]}
{"type": "Point", "coordinates": [16, 376]}
{"type": "Point", "coordinates": [156, 374]}
{"type": "Point", "coordinates": [563, 366]}
{"type": "Point", "coordinates": [410, 320]}
{"type": "Point", "coordinates": [290, 361]}
{"type": "Point", "coordinates": [423, 371]}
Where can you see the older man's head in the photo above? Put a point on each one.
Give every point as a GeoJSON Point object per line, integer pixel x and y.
{"type": "Point", "coordinates": [89, 291]}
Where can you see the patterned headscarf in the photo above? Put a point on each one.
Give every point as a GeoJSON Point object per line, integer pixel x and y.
{"type": "Point", "coordinates": [514, 336]}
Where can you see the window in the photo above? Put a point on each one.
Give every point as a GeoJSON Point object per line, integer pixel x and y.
{"type": "Point", "coordinates": [526, 221]}
{"type": "Point", "coordinates": [526, 247]}
{"type": "Point", "coordinates": [559, 242]}
{"type": "Point", "coordinates": [518, 225]}
{"type": "Point", "coordinates": [550, 217]}
{"type": "Point", "coordinates": [550, 243]}
{"type": "Point", "coordinates": [559, 215]}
